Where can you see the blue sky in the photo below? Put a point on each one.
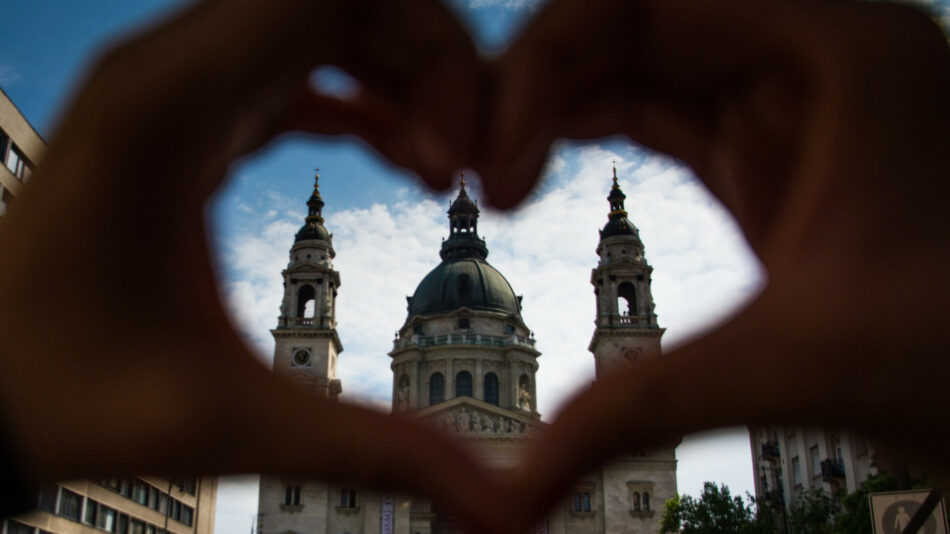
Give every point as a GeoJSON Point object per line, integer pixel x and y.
{"type": "Point", "coordinates": [387, 230]}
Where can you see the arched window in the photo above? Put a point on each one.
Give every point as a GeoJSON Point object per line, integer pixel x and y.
{"type": "Point", "coordinates": [305, 296]}
{"type": "Point", "coordinates": [626, 292]}
{"type": "Point", "coordinates": [491, 388]}
{"type": "Point", "coordinates": [463, 384]}
{"type": "Point", "coordinates": [436, 388]}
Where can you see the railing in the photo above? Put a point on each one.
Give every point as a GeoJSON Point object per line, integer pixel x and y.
{"type": "Point", "coordinates": [464, 339]}
{"type": "Point", "coordinates": [309, 322]}
{"type": "Point", "coordinates": [832, 469]}
{"type": "Point", "coordinates": [630, 321]}
{"type": "Point", "coordinates": [770, 450]}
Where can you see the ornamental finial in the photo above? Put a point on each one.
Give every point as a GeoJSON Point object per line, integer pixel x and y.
{"type": "Point", "coordinates": [463, 181]}
{"type": "Point", "coordinates": [615, 172]}
{"type": "Point", "coordinates": [316, 179]}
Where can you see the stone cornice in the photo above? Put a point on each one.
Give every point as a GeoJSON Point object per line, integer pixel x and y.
{"type": "Point", "coordinates": [465, 311]}
{"type": "Point", "coordinates": [635, 267]}
{"type": "Point", "coordinates": [309, 333]}
{"type": "Point", "coordinates": [312, 268]}
{"type": "Point", "coordinates": [624, 332]}
{"type": "Point", "coordinates": [531, 353]}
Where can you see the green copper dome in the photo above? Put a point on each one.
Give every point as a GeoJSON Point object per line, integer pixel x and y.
{"type": "Point", "coordinates": [464, 282]}
{"type": "Point", "coordinates": [464, 278]}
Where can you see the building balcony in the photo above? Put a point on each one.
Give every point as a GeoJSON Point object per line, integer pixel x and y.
{"type": "Point", "coordinates": [632, 321]}
{"type": "Point", "coordinates": [770, 450]}
{"type": "Point", "coordinates": [463, 339]}
{"type": "Point", "coordinates": [306, 322]}
{"type": "Point", "coordinates": [832, 469]}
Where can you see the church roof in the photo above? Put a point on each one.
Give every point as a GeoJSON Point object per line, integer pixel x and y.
{"type": "Point", "coordinates": [464, 278]}
{"type": "Point", "coordinates": [463, 282]}
{"type": "Point", "coordinates": [617, 221]}
{"type": "Point", "coordinates": [313, 226]}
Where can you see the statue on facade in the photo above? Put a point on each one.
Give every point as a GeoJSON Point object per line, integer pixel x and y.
{"type": "Point", "coordinates": [402, 397]}
{"type": "Point", "coordinates": [524, 397]}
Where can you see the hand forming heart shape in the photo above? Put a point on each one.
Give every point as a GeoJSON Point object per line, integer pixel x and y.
{"type": "Point", "coordinates": [800, 117]}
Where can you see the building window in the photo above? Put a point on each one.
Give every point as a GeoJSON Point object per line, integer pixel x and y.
{"type": "Point", "coordinates": [123, 524]}
{"type": "Point", "coordinates": [4, 143]}
{"type": "Point", "coordinates": [306, 295]}
{"type": "Point", "coordinates": [90, 515]}
{"type": "Point", "coordinates": [646, 501]}
{"type": "Point", "coordinates": [189, 485]}
{"type": "Point", "coordinates": [436, 389]}
{"type": "Point", "coordinates": [187, 515]}
{"type": "Point", "coordinates": [105, 518]}
{"type": "Point", "coordinates": [796, 471]}
{"type": "Point", "coordinates": [463, 384]}
{"type": "Point", "coordinates": [627, 294]}
{"type": "Point", "coordinates": [509, 329]}
{"type": "Point", "coordinates": [637, 505]}
{"type": "Point", "coordinates": [46, 500]}
{"type": "Point", "coordinates": [138, 527]}
{"type": "Point", "coordinates": [15, 527]}
{"type": "Point", "coordinates": [292, 495]}
{"type": "Point", "coordinates": [348, 498]}
{"type": "Point", "coordinates": [140, 492]}
{"type": "Point", "coordinates": [16, 162]}
{"type": "Point", "coordinates": [70, 504]}
{"type": "Point", "coordinates": [815, 461]}
{"type": "Point", "coordinates": [581, 502]}
{"type": "Point", "coordinates": [491, 388]}
{"type": "Point", "coordinates": [464, 323]}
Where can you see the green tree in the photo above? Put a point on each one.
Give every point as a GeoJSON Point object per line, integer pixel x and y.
{"type": "Point", "coordinates": [716, 511]}
{"type": "Point", "coordinates": [812, 512]}
{"type": "Point", "coordinates": [855, 515]}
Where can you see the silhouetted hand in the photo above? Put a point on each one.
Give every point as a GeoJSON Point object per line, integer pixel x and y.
{"type": "Point", "coordinates": [821, 126]}
{"type": "Point", "coordinates": [824, 128]}
{"type": "Point", "coordinates": [117, 355]}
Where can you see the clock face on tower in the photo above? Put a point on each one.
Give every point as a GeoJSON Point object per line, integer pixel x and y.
{"type": "Point", "coordinates": [301, 358]}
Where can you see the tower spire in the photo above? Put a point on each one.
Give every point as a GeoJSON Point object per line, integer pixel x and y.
{"type": "Point", "coordinates": [463, 241]}
{"type": "Point", "coordinates": [617, 222]}
{"type": "Point", "coordinates": [315, 202]}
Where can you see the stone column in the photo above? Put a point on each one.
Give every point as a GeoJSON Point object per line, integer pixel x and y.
{"type": "Point", "coordinates": [478, 382]}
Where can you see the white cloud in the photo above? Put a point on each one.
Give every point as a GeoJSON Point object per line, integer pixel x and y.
{"type": "Point", "coordinates": [9, 75]}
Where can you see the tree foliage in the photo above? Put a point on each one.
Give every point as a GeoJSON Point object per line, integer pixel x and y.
{"type": "Point", "coordinates": [812, 512]}
{"type": "Point", "coordinates": [716, 511]}
{"type": "Point", "coordinates": [855, 514]}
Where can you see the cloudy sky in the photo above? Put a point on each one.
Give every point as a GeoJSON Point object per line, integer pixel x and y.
{"type": "Point", "coordinates": [387, 230]}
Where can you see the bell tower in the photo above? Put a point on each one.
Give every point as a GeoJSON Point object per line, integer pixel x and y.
{"type": "Point", "coordinates": [306, 341]}
{"type": "Point", "coordinates": [626, 326]}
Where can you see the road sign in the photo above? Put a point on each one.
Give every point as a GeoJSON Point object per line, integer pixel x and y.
{"type": "Point", "coordinates": [891, 511]}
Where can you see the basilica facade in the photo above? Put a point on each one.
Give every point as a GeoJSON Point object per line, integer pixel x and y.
{"type": "Point", "coordinates": [465, 359]}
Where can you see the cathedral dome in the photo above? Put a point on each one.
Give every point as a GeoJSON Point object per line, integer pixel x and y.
{"type": "Point", "coordinates": [312, 230]}
{"type": "Point", "coordinates": [619, 226]}
{"type": "Point", "coordinates": [468, 282]}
